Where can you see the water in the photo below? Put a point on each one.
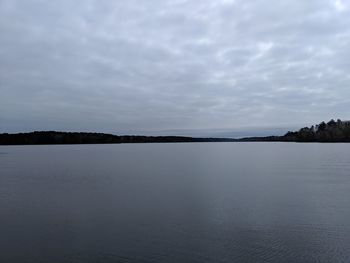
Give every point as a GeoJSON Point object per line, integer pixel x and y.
{"type": "Point", "coordinates": [195, 202]}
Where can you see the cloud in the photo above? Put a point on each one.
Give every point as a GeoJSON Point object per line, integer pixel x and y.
{"type": "Point", "coordinates": [172, 64]}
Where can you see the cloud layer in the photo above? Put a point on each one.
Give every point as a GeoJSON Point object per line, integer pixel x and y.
{"type": "Point", "coordinates": [160, 64]}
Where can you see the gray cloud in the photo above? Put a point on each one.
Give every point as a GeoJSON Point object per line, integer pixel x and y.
{"type": "Point", "coordinates": [120, 66]}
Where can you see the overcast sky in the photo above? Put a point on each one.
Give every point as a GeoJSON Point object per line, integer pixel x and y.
{"type": "Point", "coordinates": [116, 66]}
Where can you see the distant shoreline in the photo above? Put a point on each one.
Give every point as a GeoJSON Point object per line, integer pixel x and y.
{"type": "Point", "coordinates": [62, 138]}
{"type": "Point", "coordinates": [331, 132]}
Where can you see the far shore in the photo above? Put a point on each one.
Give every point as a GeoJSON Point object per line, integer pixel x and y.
{"type": "Point", "coordinates": [331, 132]}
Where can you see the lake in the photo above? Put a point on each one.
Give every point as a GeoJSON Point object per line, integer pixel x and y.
{"type": "Point", "coordinates": [185, 202]}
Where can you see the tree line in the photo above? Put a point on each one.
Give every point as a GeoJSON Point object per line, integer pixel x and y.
{"type": "Point", "coordinates": [53, 137]}
{"type": "Point", "coordinates": [332, 131]}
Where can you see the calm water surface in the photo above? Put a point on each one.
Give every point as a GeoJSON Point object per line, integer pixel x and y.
{"type": "Point", "coordinates": [195, 202]}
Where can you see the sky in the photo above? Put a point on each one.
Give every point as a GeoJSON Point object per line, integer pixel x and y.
{"type": "Point", "coordinates": [159, 65]}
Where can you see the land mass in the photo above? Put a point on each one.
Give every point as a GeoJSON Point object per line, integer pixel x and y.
{"type": "Point", "coordinates": [332, 131]}
{"type": "Point", "coordinates": [54, 137]}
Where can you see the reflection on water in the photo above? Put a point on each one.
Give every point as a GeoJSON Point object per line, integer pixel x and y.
{"type": "Point", "coordinates": [195, 202]}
